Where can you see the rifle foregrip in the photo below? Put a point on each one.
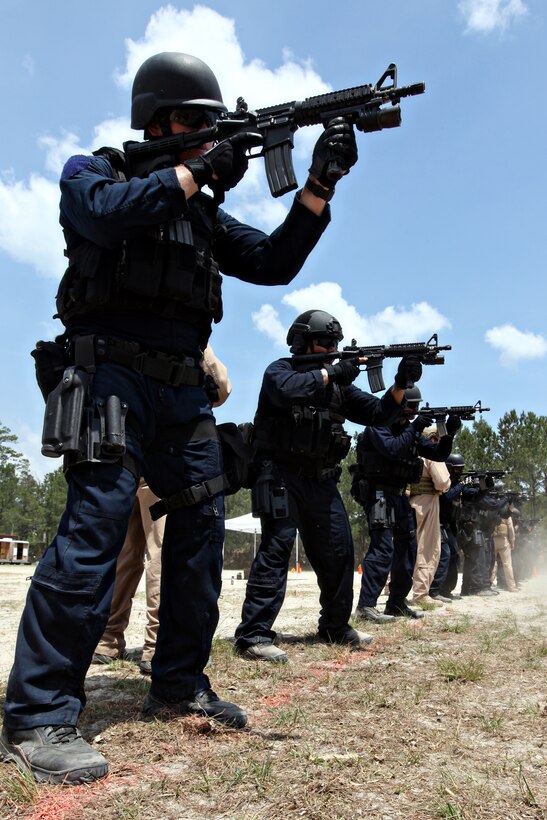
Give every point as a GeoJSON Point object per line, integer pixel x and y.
{"type": "Point", "coordinates": [279, 169]}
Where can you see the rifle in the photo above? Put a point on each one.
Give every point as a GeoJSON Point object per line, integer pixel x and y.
{"type": "Point", "coordinates": [427, 352]}
{"type": "Point", "coordinates": [478, 477]}
{"type": "Point", "coordinates": [466, 412]}
{"type": "Point", "coordinates": [361, 105]}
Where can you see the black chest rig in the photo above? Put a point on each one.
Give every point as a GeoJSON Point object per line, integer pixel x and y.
{"type": "Point", "coordinates": [167, 270]}
{"type": "Point", "coordinates": [373, 465]}
{"type": "Point", "coordinates": [304, 437]}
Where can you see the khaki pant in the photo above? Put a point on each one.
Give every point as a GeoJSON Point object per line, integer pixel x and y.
{"type": "Point", "coordinates": [428, 537]}
{"type": "Point", "coordinates": [503, 550]}
{"type": "Point", "coordinates": [141, 552]}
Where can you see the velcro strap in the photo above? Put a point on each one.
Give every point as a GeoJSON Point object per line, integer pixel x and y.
{"type": "Point", "coordinates": [189, 496]}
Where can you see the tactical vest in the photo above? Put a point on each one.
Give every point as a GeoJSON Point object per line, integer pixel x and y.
{"type": "Point", "coordinates": [167, 269]}
{"type": "Point", "coordinates": [306, 437]}
{"type": "Point", "coordinates": [424, 486]}
{"type": "Point", "coordinates": [381, 470]}
{"type": "Point", "coordinates": [502, 530]}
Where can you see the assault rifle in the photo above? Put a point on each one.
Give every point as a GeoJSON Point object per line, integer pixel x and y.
{"type": "Point", "coordinates": [466, 412]}
{"type": "Point", "coordinates": [361, 105]}
{"type": "Point", "coordinates": [483, 479]}
{"type": "Point", "coordinates": [426, 352]}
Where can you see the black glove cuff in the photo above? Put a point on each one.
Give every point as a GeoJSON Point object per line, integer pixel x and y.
{"type": "Point", "coordinates": [318, 191]}
{"type": "Point", "coordinates": [200, 170]}
{"type": "Point", "coordinates": [402, 383]}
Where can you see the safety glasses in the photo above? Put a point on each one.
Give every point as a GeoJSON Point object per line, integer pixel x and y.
{"type": "Point", "coordinates": [325, 341]}
{"type": "Point", "coordinates": [194, 118]}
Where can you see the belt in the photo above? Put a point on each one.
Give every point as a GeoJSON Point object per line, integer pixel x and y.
{"type": "Point", "coordinates": [310, 471]}
{"type": "Point", "coordinates": [164, 367]}
{"type": "Point", "coordinates": [387, 488]}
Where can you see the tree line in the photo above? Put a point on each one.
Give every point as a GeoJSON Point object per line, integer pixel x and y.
{"type": "Point", "coordinates": [30, 509]}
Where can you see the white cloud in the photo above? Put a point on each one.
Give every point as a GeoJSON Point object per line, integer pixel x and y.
{"type": "Point", "coordinates": [266, 320]}
{"type": "Point", "coordinates": [113, 131]}
{"type": "Point", "coordinates": [514, 345]}
{"type": "Point", "coordinates": [391, 325]}
{"type": "Point", "coordinates": [28, 64]}
{"type": "Point", "coordinates": [488, 15]}
{"type": "Point", "coordinates": [30, 208]}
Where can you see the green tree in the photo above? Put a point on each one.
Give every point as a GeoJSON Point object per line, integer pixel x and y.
{"type": "Point", "coordinates": [522, 446]}
{"type": "Point", "coordinates": [478, 445]}
{"type": "Point", "coordinates": [53, 499]}
{"type": "Point", "coordinates": [356, 514]}
{"type": "Point", "coordinates": [19, 491]}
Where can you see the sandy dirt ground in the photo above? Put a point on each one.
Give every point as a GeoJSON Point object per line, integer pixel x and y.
{"type": "Point", "coordinates": [298, 615]}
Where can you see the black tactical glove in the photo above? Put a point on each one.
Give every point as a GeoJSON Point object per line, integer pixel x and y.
{"type": "Point", "coordinates": [344, 372]}
{"type": "Point", "coordinates": [489, 481]}
{"type": "Point", "coordinates": [408, 372]}
{"type": "Point", "coordinates": [227, 160]}
{"type": "Point", "coordinates": [453, 424]}
{"type": "Point", "coordinates": [334, 154]}
{"type": "Point", "coordinates": [422, 421]}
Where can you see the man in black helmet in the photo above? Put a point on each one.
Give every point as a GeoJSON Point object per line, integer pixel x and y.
{"type": "Point", "coordinates": [137, 300]}
{"type": "Point", "coordinates": [300, 442]}
{"type": "Point", "coordinates": [388, 458]}
{"type": "Point", "coordinates": [479, 516]}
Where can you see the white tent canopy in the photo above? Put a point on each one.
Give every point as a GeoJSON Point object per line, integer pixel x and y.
{"type": "Point", "coordinates": [243, 523]}
{"type": "Point", "coordinates": [247, 523]}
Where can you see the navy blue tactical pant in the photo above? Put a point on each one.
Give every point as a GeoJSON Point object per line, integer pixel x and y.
{"type": "Point", "coordinates": [446, 576]}
{"type": "Point", "coordinates": [392, 549]}
{"type": "Point", "coordinates": [317, 510]}
{"type": "Point", "coordinates": [70, 593]}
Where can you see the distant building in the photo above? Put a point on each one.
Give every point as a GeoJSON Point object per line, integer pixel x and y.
{"type": "Point", "coordinates": [13, 551]}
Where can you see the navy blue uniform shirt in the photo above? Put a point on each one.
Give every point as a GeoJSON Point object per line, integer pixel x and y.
{"type": "Point", "coordinates": [99, 208]}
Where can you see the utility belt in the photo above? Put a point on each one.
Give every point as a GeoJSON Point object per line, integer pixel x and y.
{"type": "Point", "coordinates": [315, 471]}
{"type": "Point", "coordinates": [80, 427]}
{"type": "Point", "coordinates": [172, 370]}
{"type": "Point", "coordinates": [389, 489]}
{"type": "Point", "coordinates": [364, 487]}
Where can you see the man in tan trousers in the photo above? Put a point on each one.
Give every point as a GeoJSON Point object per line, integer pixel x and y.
{"type": "Point", "coordinates": [504, 544]}
{"type": "Point", "coordinates": [424, 498]}
{"type": "Point", "coordinates": [141, 552]}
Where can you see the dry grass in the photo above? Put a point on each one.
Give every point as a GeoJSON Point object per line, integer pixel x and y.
{"type": "Point", "coordinates": [386, 732]}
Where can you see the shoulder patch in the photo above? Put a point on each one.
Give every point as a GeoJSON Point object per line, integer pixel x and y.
{"type": "Point", "coordinates": [75, 164]}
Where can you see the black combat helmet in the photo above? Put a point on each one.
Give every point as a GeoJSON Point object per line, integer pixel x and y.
{"type": "Point", "coordinates": [413, 396]}
{"type": "Point", "coordinates": [455, 460]}
{"type": "Point", "coordinates": [172, 80]}
{"type": "Point", "coordinates": [311, 325]}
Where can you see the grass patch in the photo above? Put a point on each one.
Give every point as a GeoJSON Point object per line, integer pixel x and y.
{"type": "Point", "coordinates": [492, 723]}
{"type": "Point", "coordinates": [457, 626]}
{"type": "Point", "coordinates": [463, 670]}
{"type": "Point", "coordinates": [332, 734]}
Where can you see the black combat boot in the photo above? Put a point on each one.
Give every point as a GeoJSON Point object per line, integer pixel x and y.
{"type": "Point", "coordinates": [53, 754]}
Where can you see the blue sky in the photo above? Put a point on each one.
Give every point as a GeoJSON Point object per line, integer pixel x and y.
{"type": "Point", "coordinates": [440, 227]}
